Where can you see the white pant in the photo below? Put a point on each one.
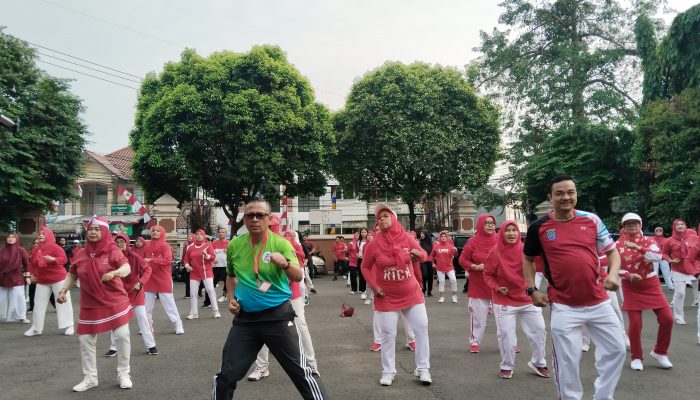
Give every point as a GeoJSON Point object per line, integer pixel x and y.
{"type": "Point", "coordinates": [410, 336]}
{"type": "Point", "coordinates": [168, 302]}
{"type": "Point", "coordinates": [303, 329]}
{"type": "Point", "coordinates": [665, 271]}
{"type": "Point", "coordinates": [64, 312]}
{"type": "Point", "coordinates": [417, 318]}
{"type": "Point", "coordinates": [679, 281]}
{"type": "Point", "coordinates": [146, 333]}
{"type": "Point", "coordinates": [616, 307]}
{"type": "Point", "coordinates": [441, 281]}
{"type": "Point", "coordinates": [606, 332]}
{"type": "Point", "coordinates": [209, 287]}
{"type": "Point", "coordinates": [478, 313]}
{"type": "Point", "coordinates": [88, 344]}
{"type": "Point", "coordinates": [539, 277]}
{"type": "Point", "coordinates": [531, 321]}
{"type": "Point", "coordinates": [13, 308]}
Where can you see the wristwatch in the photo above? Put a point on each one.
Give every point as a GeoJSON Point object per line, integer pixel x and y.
{"type": "Point", "coordinates": [529, 291]}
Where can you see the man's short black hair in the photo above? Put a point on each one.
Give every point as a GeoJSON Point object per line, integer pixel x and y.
{"type": "Point", "coordinates": [557, 179]}
{"type": "Point", "coordinates": [259, 200]}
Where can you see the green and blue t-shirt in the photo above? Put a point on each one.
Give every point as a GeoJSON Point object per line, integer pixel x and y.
{"type": "Point", "coordinates": [240, 263]}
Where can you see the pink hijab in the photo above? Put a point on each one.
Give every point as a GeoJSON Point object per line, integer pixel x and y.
{"type": "Point", "coordinates": [511, 255]}
{"type": "Point", "coordinates": [390, 242]}
{"type": "Point", "coordinates": [103, 246]}
{"type": "Point", "coordinates": [483, 242]}
{"type": "Point", "coordinates": [157, 246]}
{"type": "Point", "coordinates": [682, 237]}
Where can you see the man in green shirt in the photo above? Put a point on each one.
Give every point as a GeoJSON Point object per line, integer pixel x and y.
{"type": "Point", "coordinates": [262, 263]}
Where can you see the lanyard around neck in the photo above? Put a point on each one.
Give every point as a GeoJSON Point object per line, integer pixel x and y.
{"type": "Point", "coordinates": [256, 258]}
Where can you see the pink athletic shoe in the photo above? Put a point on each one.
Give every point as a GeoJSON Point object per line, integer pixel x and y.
{"type": "Point", "coordinates": [375, 347]}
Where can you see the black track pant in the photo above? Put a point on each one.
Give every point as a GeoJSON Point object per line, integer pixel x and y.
{"type": "Point", "coordinates": [426, 268]}
{"type": "Point", "coordinates": [363, 284]}
{"type": "Point", "coordinates": [242, 346]}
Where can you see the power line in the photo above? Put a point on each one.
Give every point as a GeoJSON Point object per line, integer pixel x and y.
{"type": "Point", "coordinates": [115, 24]}
{"type": "Point", "coordinates": [86, 67]}
{"type": "Point", "coordinates": [83, 73]}
{"type": "Point", "coordinates": [81, 59]}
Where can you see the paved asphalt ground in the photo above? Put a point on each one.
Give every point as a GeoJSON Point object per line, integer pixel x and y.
{"type": "Point", "coordinates": [47, 366]}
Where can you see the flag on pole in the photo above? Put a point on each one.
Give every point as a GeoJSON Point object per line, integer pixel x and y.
{"type": "Point", "coordinates": [133, 201]}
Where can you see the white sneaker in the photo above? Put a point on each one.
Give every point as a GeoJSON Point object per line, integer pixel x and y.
{"type": "Point", "coordinates": [192, 316]}
{"type": "Point", "coordinates": [387, 380]}
{"type": "Point", "coordinates": [258, 373]}
{"type": "Point", "coordinates": [454, 298]}
{"type": "Point", "coordinates": [368, 302]}
{"type": "Point", "coordinates": [125, 382]}
{"type": "Point", "coordinates": [217, 314]}
{"type": "Point", "coordinates": [222, 299]}
{"type": "Point", "coordinates": [423, 376]}
{"type": "Point", "coordinates": [585, 346]}
{"type": "Point", "coordinates": [87, 383]}
{"type": "Point", "coordinates": [69, 331]}
{"type": "Point", "coordinates": [637, 365]}
{"type": "Point", "coordinates": [363, 296]}
{"type": "Point", "coordinates": [680, 321]}
{"type": "Point", "coordinates": [178, 331]}
{"type": "Point", "coordinates": [31, 332]}
{"type": "Point", "coordinates": [441, 299]}
{"type": "Point", "coordinates": [25, 321]}
{"type": "Point", "coordinates": [663, 361]}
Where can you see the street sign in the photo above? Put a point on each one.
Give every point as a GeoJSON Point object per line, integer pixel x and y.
{"type": "Point", "coordinates": [326, 217]}
{"type": "Point", "coordinates": [121, 209]}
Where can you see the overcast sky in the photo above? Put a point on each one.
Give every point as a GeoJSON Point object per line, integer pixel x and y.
{"type": "Point", "coordinates": [332, 42]}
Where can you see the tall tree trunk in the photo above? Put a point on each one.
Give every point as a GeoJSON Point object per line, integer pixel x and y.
{"type": "Point", "coordinates": [411, 215]}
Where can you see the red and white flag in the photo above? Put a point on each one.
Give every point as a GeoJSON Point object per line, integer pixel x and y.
{"type": "Point", "coordinates": [133, 201]}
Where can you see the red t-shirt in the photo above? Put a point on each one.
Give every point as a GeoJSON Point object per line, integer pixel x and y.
{"type": "Point", "coordinates": [352, 254]}
{"type": "Point", "coordinates": [478, 289]}
{"type": "Point", "coordinates": [570, 250]}
{"type": "Point", "coordinates": [201, 268]}
{"type": "Point", "coordinates": [443, 254]}
{"type": "Point", "coordinates": [48, 272]}
{"type": "Point", "coordinates": [220, 247]}
{"type": "Point", "coordinates": [339, 250]}
{"type": "Point", "coordinates": [103, 305]}
{"type": "Point", "coordinates": [399, 282]}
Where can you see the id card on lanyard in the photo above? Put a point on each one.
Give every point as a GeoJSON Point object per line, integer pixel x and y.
{"type": "Point", "coordinates": [263, 286]}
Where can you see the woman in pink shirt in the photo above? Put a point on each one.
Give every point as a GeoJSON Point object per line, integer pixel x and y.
{"type": "Point", "coordinates": [677, 252]}
{"type": "Point", "coordinates": [390, 272]}
{"type": "Point", "coordinates": [198, 261]}
{"type": "Point", "coordinates": [46, 266]}
{"type": "Point", "coordinates": [472, 259]}
{"type": "Point", "coordinates": [158, 255]}
{"type": "Point", "coordinates": [503, 273]}
{"type": "Point", "coordinates": [443, 253]}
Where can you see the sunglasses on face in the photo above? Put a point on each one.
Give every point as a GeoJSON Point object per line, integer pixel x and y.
{"type": "Point", "coordinates": [258, 216]}
{"type": "Point", "coordinates": [489, 223]}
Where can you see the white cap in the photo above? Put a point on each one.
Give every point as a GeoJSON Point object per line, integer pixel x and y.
{"type": "Point", "coordinates": [631, 217]}
{"type": "Point", "coordinates": [382, 206]}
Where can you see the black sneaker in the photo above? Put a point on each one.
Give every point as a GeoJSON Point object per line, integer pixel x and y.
{"type": "Point", "coordinates": [153, 351]}
{"type": "Point", "coordinates": [313, 290]}
{"type": "Point", "coordinates": [111, 353]}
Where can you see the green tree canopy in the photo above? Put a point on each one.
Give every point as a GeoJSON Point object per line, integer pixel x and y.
{"type": "Point", "coordinates": [674, 126]}
{"type": "Point", "coordinates": [566, 71]}
{"type": "Point", "coordinates": [236, 125]}
{"type": "Point", "coordinates": [414, 130]}
{"type": "Point", "coordinates": [41, 160]}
